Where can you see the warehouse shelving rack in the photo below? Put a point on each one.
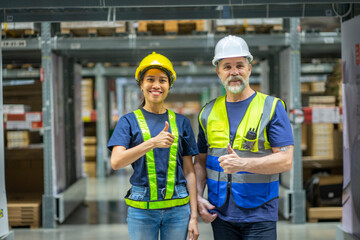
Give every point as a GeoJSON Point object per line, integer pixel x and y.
{"type": "Point", "coordinates": [182, 47]}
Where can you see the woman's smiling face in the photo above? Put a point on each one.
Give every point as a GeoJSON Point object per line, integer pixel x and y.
{"type": "Point", "coordinates": [155, 86]}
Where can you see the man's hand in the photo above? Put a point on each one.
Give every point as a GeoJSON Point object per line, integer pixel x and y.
{"type": "Point", "coordinates": [231, 163]}
{"type": "Point", "coordinates": [204, 206]}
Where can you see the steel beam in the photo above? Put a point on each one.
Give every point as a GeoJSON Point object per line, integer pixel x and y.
{"type": "Point", "coordinates": [21, 4]}
{"type": "Point", "coordinates": [314, 72]}
{"type": "Point", "coordinates": [4, 221]}
{"type": "Point", "coordinates": [167, 12]}
{"type": "Point", "coordinates": [202, 42]}
{"type": "Point", "coordinates": [102, 123]}
{"type": "Point", "coordinates": [298, 199]}
{"type": "Point", "coordinates": [49, 203]}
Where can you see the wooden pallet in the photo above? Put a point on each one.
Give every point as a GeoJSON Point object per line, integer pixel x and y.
{"type": "Point", "coordinates": [324, 213]}
{"type": "Point", "coordinates": [24, 213]}
{"type": "Point", "coordinates": [19, 33]}
{"type": "Point", "coordinates": [169, 27]}
{"type": "Point", "coordinates": [250, 29]}
{"type": "Point", "coordinates": [86, 29]}
{"type": "Point", "coordinates": [19, 30]}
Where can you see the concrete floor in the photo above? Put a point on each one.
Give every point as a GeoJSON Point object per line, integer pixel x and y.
{"type": "Point", "coordinates": [103, 216]}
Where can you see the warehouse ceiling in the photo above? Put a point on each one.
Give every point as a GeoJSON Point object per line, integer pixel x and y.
{"type": "Point", "coordinates": [130, 48]}
{"type": "Point", "coordinates": [117, 10]}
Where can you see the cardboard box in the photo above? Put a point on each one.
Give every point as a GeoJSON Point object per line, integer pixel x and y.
{"type": "Point", "coordinates": [90, 169]}
{"type": "Point", "coordinates": [17, 139]}
{"type": "Point", "coordinates": [28, 120]}
{"type": "Point", "coordinates": [320, 140]}
{"type": "Point", "coordinates": [315, 101]}
{"type": "Point", "coordinates": [15, 108]}
{"type": "Point", "coordinates": [338, 144]}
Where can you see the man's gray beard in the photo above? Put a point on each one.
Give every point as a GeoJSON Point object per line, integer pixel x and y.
{"type": "Point", "coordinates": [236, 89]}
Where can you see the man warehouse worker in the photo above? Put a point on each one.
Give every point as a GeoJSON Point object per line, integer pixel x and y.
{"type": "Point", "coordinates": [245, 140]}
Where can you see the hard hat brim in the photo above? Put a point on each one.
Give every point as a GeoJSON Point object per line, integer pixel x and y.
{"type": "Point", "coordinates": [216, 60]}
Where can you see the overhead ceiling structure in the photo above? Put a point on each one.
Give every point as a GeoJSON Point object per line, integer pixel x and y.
{"type": "Point", "coordinates": [102, 10]}
{"type": "Point", "coordinates": [131, 47]}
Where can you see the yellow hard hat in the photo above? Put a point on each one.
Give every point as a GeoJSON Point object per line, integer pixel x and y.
{"type": "Point", "coordinates": [156, 60]}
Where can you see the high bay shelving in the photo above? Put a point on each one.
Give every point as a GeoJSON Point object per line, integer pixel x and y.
{"type": "Point", "coordinates": [132, 47]}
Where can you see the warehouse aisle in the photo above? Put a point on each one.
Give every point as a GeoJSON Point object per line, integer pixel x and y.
{"type": "Point", "coordinates": [103, 216]}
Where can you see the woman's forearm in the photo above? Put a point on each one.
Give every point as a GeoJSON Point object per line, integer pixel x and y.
{"type": "Point", "coordinates": [190, 176]}
{"type": "Point", "coordinates": [122, 157]}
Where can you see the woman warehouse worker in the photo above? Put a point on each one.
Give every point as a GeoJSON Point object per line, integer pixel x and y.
{"type": "Point", "coordinates": [159, 145]}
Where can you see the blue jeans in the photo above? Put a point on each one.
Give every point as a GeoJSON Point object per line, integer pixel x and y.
{"type": "Point", "coordinates": [243, 231]}
{"type": "Point", "coordinates": [172, 223]}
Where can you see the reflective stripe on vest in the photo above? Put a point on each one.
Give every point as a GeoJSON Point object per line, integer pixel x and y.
{"type": "Point", "coordinates": [242, 177]}
{"type": "Point", "coordinates": [161, 204]}
{"type": "Point", "coordinates": [249, 190]}
{"type": "Point", "coordinates": [168, 202]}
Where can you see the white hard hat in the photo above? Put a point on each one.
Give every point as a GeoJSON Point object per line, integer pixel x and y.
{"type": "Point", "coordinates": [231, 46]}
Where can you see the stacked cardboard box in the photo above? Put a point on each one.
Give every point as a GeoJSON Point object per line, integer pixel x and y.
{"type": "Point", "coordinates": [19, 29]}
{"type": "Point", "coordinates": [161, 27]}
{"type": "Point", "coordinates": [90, 155]}
{"type": "Point", "coordinates": [87, 98]}
{"type": "Point", "coordinates": [15, 108]}
{"type": "Point", "coordinates": [23, 121]}
{"type": "Point", "coordinates": [24, 211]}
{"type": "Point", "coordinates": [98, 28]}
{"type": "Point", "coordinates": [319, 132]}
{"type": "Point", "coordinates": [334, 84]}
{"type": "Point", "coordinates": [320, 140]}
{"type": "Point", "coordinates": [17, 139]}
{"type": "Point", "coordinates": [255, 25]}
{"type": "Point", "coordinates": [317, 87]}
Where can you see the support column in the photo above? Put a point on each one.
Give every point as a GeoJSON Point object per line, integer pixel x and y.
{"type": "Point", "coordinates": [120, 84]}
{"type": "Point", "coordinates": [49, 204]}
{"type": "Point", "coordinates": [298, 198]}
{"type": "Point", "coordinates": [4, 221]}
{"type": "Point", "coordinates": [265, 77]}
{"type": "Point", "coordinates": [102, 122]}
{"type": "Point", "coordinates": [274, 75]}
{"type": "Point", "coordinates": [69, 121]}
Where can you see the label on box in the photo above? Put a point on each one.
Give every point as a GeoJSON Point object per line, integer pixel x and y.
{"type": "Point", "coordinates": [326, 115]}
{"type": "Point", "coordinates": [18, 125]}
{"type": "Point", "coordinates": [33, 117]}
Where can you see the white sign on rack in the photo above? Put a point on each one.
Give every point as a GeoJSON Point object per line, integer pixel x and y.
{"type": "Point", "coordinates": [13, 44]}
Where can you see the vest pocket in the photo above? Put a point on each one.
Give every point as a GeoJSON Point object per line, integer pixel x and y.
{"type": "Point", "coordinates": [213, 178]}
{"type": "Point", "coordinates": [249, 144]}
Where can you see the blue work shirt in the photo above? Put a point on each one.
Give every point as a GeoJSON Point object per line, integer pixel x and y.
{"type": "Point", "coordinates": [279, 134]}
{"type": "Point", "coordinates": [127, 133]}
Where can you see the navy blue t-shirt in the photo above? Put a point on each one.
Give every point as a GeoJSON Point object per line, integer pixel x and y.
{"type": "Point", "coordinates": [127, 133]}
{"type": "Point", "coordinates": [279, 134]}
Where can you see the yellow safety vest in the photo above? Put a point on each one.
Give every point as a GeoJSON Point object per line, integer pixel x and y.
{"type": "Point", "coordinates": [168, 201]}
{"type": "Point", "coordinates": [248, 190]}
